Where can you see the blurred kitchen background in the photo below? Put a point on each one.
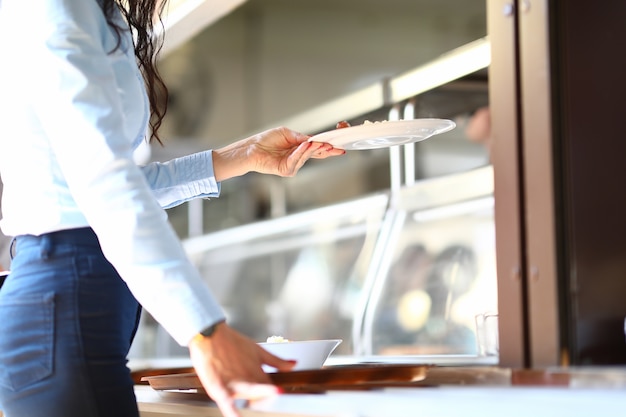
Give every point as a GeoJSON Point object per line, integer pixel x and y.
{"type": "Point", "coordinates": [390, 250]}
{"type": "Point", "coordinates": [270, 60]}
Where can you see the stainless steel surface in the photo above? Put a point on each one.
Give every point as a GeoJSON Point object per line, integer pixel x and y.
{"type": "Point", "coordinates": [450, 401]}
{"type": "Point", "coordinates": [395, 158]}
{"type": "Point", "coordinates": [454, 401]}
{"type": "Point", "coordinates": [409, 148]}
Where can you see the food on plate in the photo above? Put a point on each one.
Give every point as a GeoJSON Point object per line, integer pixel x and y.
{"type": "Point", "coordinates": [344, 124]}
{"type": "Point", "coordinates": [277, 339]}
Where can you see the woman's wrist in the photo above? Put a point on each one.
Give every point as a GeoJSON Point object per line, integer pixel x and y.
{"type": "Point", "coordinates": [207, 332]}
{"type": "Point", "coordinates": [232, 160]}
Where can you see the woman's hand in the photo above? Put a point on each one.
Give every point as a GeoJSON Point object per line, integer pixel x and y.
{"type": "Point", "coordinates": [229, 367]}
{"type": "Point", "coordinates": [279, 151]}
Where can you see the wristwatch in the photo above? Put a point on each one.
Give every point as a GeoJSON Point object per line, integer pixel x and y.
{"type": "Point", "coordinates": [208, 332]}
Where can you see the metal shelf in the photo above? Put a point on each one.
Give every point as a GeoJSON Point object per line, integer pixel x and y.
{"type": "Point", "coordinates": [454, 65]}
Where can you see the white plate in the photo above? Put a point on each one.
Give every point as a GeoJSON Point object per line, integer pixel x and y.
{"type": "Point", "coordinates": [384, 134]}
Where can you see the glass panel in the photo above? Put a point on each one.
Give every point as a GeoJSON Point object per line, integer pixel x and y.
{"type": "Point", "coordinates": [299, 277]}
{"type": "Point", "coordinates": [442, 275]}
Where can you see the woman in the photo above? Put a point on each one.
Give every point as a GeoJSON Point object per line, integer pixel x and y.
{"type": "Point", "coordinates": [92, 239]}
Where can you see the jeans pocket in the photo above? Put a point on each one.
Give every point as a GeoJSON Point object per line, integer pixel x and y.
{"type": "Point", "coordinates": [26, 345]}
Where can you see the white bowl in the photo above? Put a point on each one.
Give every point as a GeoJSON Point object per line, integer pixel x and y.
{"type": "Point", "coordinates": [309, 354]}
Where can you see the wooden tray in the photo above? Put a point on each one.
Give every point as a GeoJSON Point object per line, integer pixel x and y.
{"type": "Point", "coordinates": [340, 377]}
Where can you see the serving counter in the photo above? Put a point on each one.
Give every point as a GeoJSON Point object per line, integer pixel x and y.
{"type": "Point", "coordinates": [445, 392]}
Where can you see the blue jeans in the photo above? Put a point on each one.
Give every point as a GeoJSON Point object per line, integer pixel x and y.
{"type": "Point", "coordinates": [67, 321]}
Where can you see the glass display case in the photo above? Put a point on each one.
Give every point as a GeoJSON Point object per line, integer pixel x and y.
{"type": "Point", "coordinates": [299, 276]}
{"type": "Point", "coordinates": [436, 274]}
{"type": "Point", "coordinates": [394, 275]}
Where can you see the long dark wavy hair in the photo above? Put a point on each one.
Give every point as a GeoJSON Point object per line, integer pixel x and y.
{"type": "Point", "coordinates": [141, 16]}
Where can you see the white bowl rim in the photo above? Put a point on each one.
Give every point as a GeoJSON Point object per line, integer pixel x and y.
{"type": "Point", "coordinates": [286, 342]}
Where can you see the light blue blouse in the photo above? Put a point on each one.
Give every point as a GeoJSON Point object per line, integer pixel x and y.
{"type": "Point", "coordinates": [71, 115]}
